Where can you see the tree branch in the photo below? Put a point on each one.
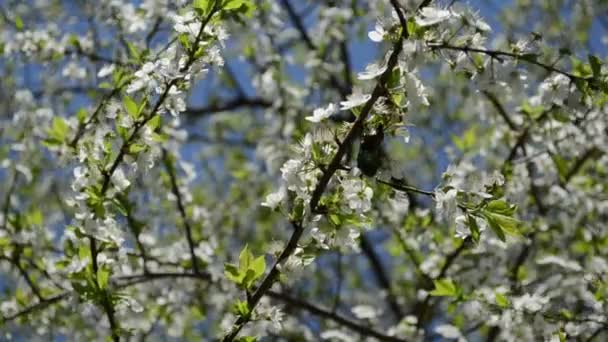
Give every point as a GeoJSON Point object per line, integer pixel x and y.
{"type": "Point", "coordinates": [233, 104]}
{"type": "Point", "coordinates": [182, 210]}
{"type": "Point", "coordinates": [334, 165]}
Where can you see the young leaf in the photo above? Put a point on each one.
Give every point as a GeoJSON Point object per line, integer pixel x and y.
{"type": "Point", "coordinates": [81, 114]}
{"type": "Point", "coordinates": [474, 228]}
{"type": "Point", "coordinates": [258, 266]}
{"type": "Point", "coordinates": [135, 54]}
{"type": "Point", "coordinates": [103, 277]}
{"type": "Point", "coordinates": [494, 226]}
{"type": "Point", "coordinates": [241, 308]}
{"type": "Point", "coordinates": [561, 165]}
{"type": "Point", "coordinates": [444, 288]}
{"type": "Point", "coordinates": [131, 107]}
{"type": "Point", "coordinates": [19, 23]}
{"type": "Point", "coordinates": [501, 207]}
{"type": "Point", "coordinates": [245, 258]}
{"type": "Point", "coordinates": [233, 273]}
{"type": "Point", "coordinates": [501, 300]}
{"type": "Point", "coordinates": [59, 129]}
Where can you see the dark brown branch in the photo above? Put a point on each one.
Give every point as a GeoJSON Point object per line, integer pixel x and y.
{"type": "Point", "coordinates": [97, 58]}
{"type": "Point", "coordinates": [240, 102]}
{"type": "Point", "coordinates": [580, 162]}
{"type": "Point", "coordinates": [29, 280]}
{"type": "Point", "coordinates": [38, 306]}
{"type": "Point", "coordinates": [135, 230]}
{"type": "Point", "coordinates": [500, 109]}
{"type": "Point", "coordinates": [297, 22]}
{"type": "Point", "coordinates": [182, 210]}
{"type": "Point", "coordinates": [421, 310]}
{"type": "Point", "coordinates": [7, 199]}
{"type": "Point", "coordinates": [82, 126]}
{"type": "Point", "coordinates": [406, 188]}
{"type": "Point", "coordinates": [16, 262]}
{"type": "Point", "coordinates": [381, 276]}
{"type": "Point", "coordinates": [350, 324]}
{"type": "Point", "coordinates": [105, 300]}
{"type": "Point", "coordinates": [498, 55]}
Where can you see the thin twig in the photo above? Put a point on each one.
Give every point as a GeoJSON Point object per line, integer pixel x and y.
{"type": "Point", "coordinates": [182, 210]}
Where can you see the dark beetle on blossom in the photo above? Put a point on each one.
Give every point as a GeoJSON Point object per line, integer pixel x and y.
{"type": "Point", "coordinates": [371, 152]}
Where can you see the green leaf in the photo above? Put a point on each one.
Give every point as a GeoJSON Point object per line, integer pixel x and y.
{"type": "Point", "coordinates": [135, 54]}
{"type": "Point", "coordinates": [19, 23]}
{"type": "Point", "coordinates": [81, 114]}
{"type": "Point", "coordinates": [131, 107]}
{"type": "Point", "coordinates": [561, 165]}
{"type": "Point", "coordinates": [335, 219]}
{"type": "Point", "coordinates": [501, 207]}
{"type": "Point", "coordinates": [105, 85]}
{"type": "Point", "coordinates": [248, 271]}
{"type": "Point", "coordinates": [233, 273]}
{"type": "Point", "coordinates": [501, 300]}
{"type": "Point", "coordinates": [245, 258]}
{"type": "Point", "coordinates": [298, 211]}
{"type": "Point", "coordinates": [468, 139]}
{"type": "Point", "coordinates": [59, 130]}
{"type": "Point", "coordinates": [135, 148]}
{"type": "Point", "coordinates": [21, 297]}
{"type": "Point", "coordinates": [34, 217]}
{"type": "Point", "coordinates": [247, 339]}
{"type": "Point", "coordinates": [241, 308]}
{"type": "Point", "coordinates": [502, 224]}
{"type": "Point", "coordinates": [142, 106]}
{"type": "Point", "coordinates": [258, 266]}
{"type": "Point", "coordinates": [474, 228]}
{"type": "Point", "coordinates": [533, 112]}
{"type": "Point", "coordinates": [103, 277]}
{"type": "Point", "coordinates": [203, 5]}
{"type": "Point", "coordinates": [246, 7]}
{"type": "Point", "coordinates": [444, 288]}
{"type": "Point", "coordinates": [154, 123]}
{"type": "Point", "coordinates": [234, 4]}
{"type": "Point", "coordinates": [184, 40]}
{"type": "Point", "coordinates": [567, 314]}
{"type": "Point", "coordinates": [394, 79]}
{"type": "Point", "coordinates": [496, 228]}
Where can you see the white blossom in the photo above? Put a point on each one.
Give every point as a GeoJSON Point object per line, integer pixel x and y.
{"type": "Point", "coordinates": [119, 179]}
{"type": "Point", "coordinates": [355, 99]}
{"type": "Point", "coordinates": [321, 114]}
{"type": "Point", "coordinates": [106, 70]}
{"type": "Point", "coordinates": [450, 332]}
{"type": "Point", "coordinates": [446, 202]}
{"type": "Point", "coordinates": [556, 260]}
{"type": "Point", "coordinates": [364, 312]}
{"type": "Point", "coordinates": [416, 92]}
{"type": "Point", "coordinates": [273, 200]}
{"type": "Point", "coordinates": [377, 35]}
{"type": "Point", "coordinates": [75, 71]}
{"type": "Point", "coordinates": [529, 302]}
{"type": "Point", "coordinates": [372, 71]}
{"type": "Point", "coordinates": [357, 194]}
{"type": "Point", "coordinates": [432, 15]}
